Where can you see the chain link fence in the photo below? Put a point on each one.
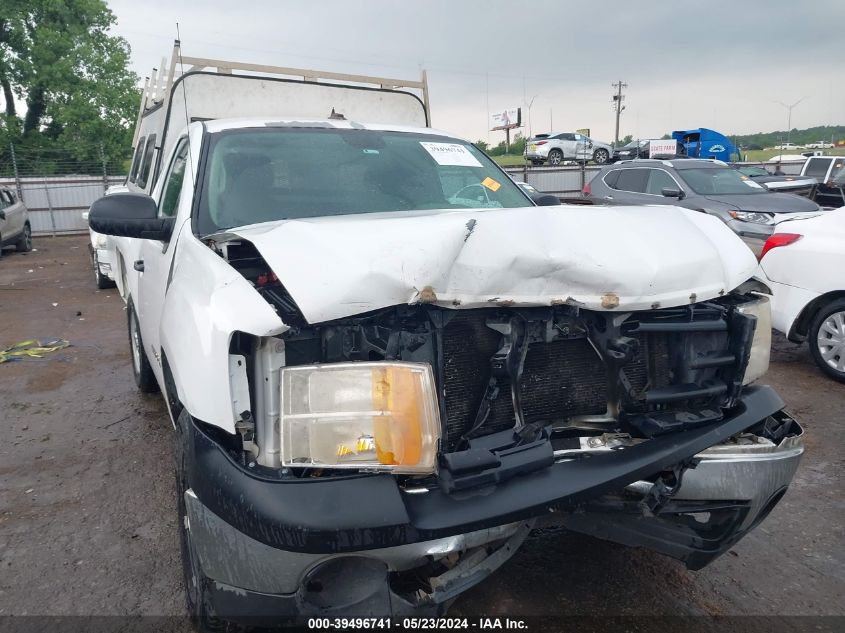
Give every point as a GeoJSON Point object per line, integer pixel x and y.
{"type": "Point", "coordinates": [57, 185]}
{"type": "Point", "coordinates": [567, 182]}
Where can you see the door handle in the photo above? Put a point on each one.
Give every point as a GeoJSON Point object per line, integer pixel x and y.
{"type": "Point", "coordinates": [139, 265]}
{"type": "Point", "coordinates": [608, 197]}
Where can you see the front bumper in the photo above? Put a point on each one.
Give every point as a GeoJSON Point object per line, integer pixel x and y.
{"type": "Point", "coordinates": [273, 537]}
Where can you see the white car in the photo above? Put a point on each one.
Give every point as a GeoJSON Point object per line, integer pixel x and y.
{"type": "Point", "coordinates": [803, 263]}
{"type": "Point", "coordinates": [563, 146]}
{"type": "Point", "coordinates": [819, 145]}
{"type": "Point", "coordinates": [101, 250]}
{"type": "Point", "coordinates": [788, 146]}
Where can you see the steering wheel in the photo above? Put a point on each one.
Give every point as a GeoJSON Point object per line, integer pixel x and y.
{"type": "Point", "coordinates": [479, 185]}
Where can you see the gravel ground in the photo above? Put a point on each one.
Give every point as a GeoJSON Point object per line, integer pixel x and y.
{"type": "Point", "coordinates": [87, 500]}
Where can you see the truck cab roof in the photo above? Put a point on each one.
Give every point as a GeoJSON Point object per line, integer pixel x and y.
{"type": "Point", "coordinates": [234, 123]}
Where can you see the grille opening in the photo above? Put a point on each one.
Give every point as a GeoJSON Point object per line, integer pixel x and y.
{"type": "Point", "coordinates": [560, 379]}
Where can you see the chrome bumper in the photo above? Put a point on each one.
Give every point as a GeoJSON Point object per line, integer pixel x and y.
{"type": "Point", "coordinates": [746, 468]}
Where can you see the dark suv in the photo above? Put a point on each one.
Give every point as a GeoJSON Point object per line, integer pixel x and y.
{"type": "Point", "coordinates": [748, 208]}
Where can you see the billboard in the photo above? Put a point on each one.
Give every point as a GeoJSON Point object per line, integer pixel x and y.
{"type": "Point", "coordinates": [506, 119]}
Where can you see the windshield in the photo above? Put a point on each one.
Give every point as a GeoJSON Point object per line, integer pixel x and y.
{"type": "Point", "coordinates": [753, 171]}
{"type": "Point", "coordinates": [260, 175]}
{"type": "Point", "coordinates": [719, 180]}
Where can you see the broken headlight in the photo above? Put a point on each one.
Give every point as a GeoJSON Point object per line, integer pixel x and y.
{"type": "Point", "coordinates": [381, 416]}
{"type": "Point", "coordinates": [758, 361]}
{"type": "Point", "coordinates": [752, 216]}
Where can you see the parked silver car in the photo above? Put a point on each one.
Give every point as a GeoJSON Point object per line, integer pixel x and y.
{"type": "Point", "coordinates": [563, 146]}
{"type": "Point", "coordinates": [15, 229]}
{"type": "Point", "coordinates": [709, 186]}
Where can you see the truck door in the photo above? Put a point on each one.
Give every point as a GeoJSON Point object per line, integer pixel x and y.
{"type": "Point", "coordinates": [155, 258]}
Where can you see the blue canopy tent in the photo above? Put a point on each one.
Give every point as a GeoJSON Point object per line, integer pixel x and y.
{"type": "Point", "coordinates": [704, 143]}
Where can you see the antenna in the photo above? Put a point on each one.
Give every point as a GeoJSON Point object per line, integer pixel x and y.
{"type": "Point", "coordinates": [178, 47]}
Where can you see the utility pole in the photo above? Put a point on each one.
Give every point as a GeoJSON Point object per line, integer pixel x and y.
{"type": "Point", "coordinates": [530, 129]}
{"type": "Point", "coordinates": [618, 98]}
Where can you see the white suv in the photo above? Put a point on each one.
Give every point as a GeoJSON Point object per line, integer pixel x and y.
{"type": "Point", "coordinates": [557, 148]}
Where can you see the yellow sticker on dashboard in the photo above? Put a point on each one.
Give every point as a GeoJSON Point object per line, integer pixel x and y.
{"type": "Point", "coordinates": [491, 184]}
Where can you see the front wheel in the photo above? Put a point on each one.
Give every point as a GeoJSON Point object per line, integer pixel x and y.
{"type": "Point", "coordinates": [141, 370]}
{"type": "Point", "coordinates": [600, 156]}
{"type": "Point", "coordinates": [24, 243]}
{"type": "Point", "coordinates": [555, 157]}
{"type": "Point", "coordinates": [827, 339]}
{"type": "Point", "coordinates": [197, 599]}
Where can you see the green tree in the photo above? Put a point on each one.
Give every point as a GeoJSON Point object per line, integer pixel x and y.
{"type": "Point", "coordinates": [57, 57]}
{"type": "Point", "coordinates": [517, 144]}
{"type": "Point", "coordinates": [483, 146]}
{"type": "Point", "coordinates": [626, 139]}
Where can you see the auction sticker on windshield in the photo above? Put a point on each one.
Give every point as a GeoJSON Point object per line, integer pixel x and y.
{"type": "Point", "coordinates": [492, 185]}
{"type": "Point", "coordinates": [450, 154]}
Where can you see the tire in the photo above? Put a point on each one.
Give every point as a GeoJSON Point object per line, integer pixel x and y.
{"type": "Point", "coordinates": [601, 156]}
{"type": "Point", "coordinates": [24, 243]}
{"type": "Point", "coordinates": [826, 338]}
{"type": "Point", "coordinates": [197, 599]}
{"type": "Point", "coordinates": [555, 157]}
{"type": "Point", "coordinates": [101, 280]}
{"type": "Point", "coordinates": [141, 370]}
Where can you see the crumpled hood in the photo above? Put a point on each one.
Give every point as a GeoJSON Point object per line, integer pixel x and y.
{"type": "Point", "coordinates": [601, 258]}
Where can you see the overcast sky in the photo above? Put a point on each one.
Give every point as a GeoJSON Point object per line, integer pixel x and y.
{"type": "Point", "coordinates": [699, 63]}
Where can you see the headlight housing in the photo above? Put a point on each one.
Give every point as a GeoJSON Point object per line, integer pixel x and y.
{"type": "Point", "coordinates": [752, 216]}
{"type": "Point", "coordinates": [372, 416]}
{"type": "Point", "coordinates": [761, 345]}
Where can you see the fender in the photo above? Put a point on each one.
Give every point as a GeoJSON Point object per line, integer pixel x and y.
{"type": "Point", "coordinates": [207, 301]}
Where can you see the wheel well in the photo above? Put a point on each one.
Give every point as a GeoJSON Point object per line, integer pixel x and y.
{"type": "Point", "coordinates": [171, 393]}
{"type": "Point", "coordinates": [800, 328]}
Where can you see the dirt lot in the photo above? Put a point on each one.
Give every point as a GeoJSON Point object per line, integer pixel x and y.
{"type": "Point", "coordinates": [87, 498]}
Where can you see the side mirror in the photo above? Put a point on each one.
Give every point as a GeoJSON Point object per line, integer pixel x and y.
{"type": "Point", "coordinates": [130, 215]}
{"type": "Point", "coordinates": [545, 200]}
{"type": "Point", "coordinates": [673, 193]}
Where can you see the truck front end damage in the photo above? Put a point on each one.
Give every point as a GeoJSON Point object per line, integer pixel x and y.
{"type": "Point", "coordinates": [638, 427]}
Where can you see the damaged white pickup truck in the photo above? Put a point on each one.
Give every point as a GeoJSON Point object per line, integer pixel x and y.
{"type": "Point", "coordinates": [386, 365]}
